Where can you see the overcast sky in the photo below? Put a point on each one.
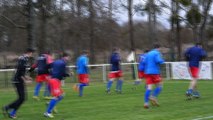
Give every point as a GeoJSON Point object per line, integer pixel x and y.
{"type": "Point", "coordinates": [122, 17]}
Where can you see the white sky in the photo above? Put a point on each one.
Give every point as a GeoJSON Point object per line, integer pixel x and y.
{"type": "Point", "coordinates": [122, 16]}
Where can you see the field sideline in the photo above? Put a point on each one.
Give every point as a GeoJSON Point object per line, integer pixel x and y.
{"type": "Point", "coordinates": [97, 105]}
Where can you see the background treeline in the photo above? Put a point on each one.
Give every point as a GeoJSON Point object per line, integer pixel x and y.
{"type": "Point", "coordinates": [75, 25]}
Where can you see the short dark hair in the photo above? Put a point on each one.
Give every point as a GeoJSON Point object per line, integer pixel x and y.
{"type": "Point", "coordinates": [85, 52]}
{"type": "Point", "coordinates": [156, 46]}
{"type": "Point", "coordinates": [65, 54]}
{"type": "Point", "coordinates": [115, 49]}
{"type": "Point", "coordinates": [198, 44]}
{"type": "Point", "coordinates": [30, 50]}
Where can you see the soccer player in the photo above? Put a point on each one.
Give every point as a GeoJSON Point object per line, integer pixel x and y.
{"type": "Point", "coordinates": [141, 67]}
{"type": "Point", "coordinates": [115, 73]}
{"type": "Point", "coordinates": [57, 74]}
{"type": "Point", "coordinates": [19, 81]}
{"type": "Point", "coordinates": [83, 72]}
{"type": "Point", "coordinates": [42, 64]}
{"type": "Point", "coordinates": [152, 63]}
{"type": "Point", "coordinates": [194, 55]}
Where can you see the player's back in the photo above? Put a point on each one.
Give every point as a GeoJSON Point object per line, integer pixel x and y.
{"type": "Point", "coordinates": [195, 55]}
{"type": "Point", "coordinates": [58, 69]}
{"type": "Point", "coordinates": [115, 62]}
{"type": "Point", "coordinates": [82, 63]}
{"type": "Point", "coordinates": [152, 61]}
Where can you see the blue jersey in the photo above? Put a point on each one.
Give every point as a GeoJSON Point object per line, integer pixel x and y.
{"type": "Point", "coordinates": [141, 58]}
{"type": "Point", "coordinates": [152, 62]}
{"type": "Point", "coordinates": [194, 55]}
{"type": "Point", "coordinates": [58, 70]}
{"type": "Point", "coordinates": [82, 65]}
{"type": "Point", "coordinates": [43, 64]}
{"type": "Point", "coordinates": [115, 62]}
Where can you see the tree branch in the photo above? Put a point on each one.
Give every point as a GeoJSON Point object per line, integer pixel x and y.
{"type": "Point", "coordinates": [14, 24]}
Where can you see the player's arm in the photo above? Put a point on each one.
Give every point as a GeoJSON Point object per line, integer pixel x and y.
{"type": "Point", "coordinates": [32, 68]}
{"type": "Point", "coordinates": [187, 55]}
{"type": "Point", "coordinates": [159, 59]}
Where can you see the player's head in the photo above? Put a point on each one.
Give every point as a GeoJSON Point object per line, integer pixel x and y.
{"type": "Point", "coordinates": [85, 52]}
{"type": "Point", "coordinates": [146, 51]}
{"type": "Point", "coordinates": [65, 56]}
{"type": "Point", "coordinates": [29, 52]}
{"type": "Point", "coordinates": [198, 44]}
{"type": "Point", "coordinates": [115, 50]}
{"type": "Point", "coordinates": [156, 46]}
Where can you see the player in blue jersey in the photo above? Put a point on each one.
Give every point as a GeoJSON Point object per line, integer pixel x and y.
{"type": "Point", "coordinates": [194, 55]}
{"type": "Point", "coordinates": [58, 72]}
{"type": "Point", "coordinates": [115, 72]}
{"type": "Point", "coordinates": [43, 63]}
{"type": "Point", "coordinates": [141, 68]}
{"type": "Point", "coordinates": [83, 72]}
{"type": "Point", "coordinates": [152, 63]}
{"type": "Point", "coordinates": [19, 81]}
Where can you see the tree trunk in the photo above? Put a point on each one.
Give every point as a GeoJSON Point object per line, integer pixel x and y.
{"type": "Point", "coordinates": [31, 25]}
{"type": "Point", "coordinates": [177, 36]}
{"type": "Point", "coordinates": [131, 29]}
{"type": "Point", "coordinates": [91, 34]}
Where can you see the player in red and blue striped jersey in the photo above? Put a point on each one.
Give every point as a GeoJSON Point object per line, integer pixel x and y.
{"type": "Point", "coordinates": [83, 72]}
{"type": "Point", "coordinates": [58, 72]}
{"type": "Point", "coordinates": [42, 64]}
{"type": "Point", "coordinates": [116, 72]}
{"type": "Point", "coordinates": [194, 55]}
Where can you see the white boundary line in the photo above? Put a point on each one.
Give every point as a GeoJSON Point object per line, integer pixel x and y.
{"type": "Point", "coordinates": [204, 118]}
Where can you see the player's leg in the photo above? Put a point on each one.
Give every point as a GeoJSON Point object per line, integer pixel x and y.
{"type": "Point", "coordinates": [147, 95]}
{"type": "Point", "coordinates": [16, 104]}
{"type": "Point", "coordinates": [193, 83]}
{"type": "Point", "coordinates": [119, 81]}
{"type": "Point", "coordinates": [84, 81]}
{"type": "Point", "coordinates": [119, 85]}
{"type": "Point", "coordinates": [57, 92]}
{"type": "Point", "coordinates": [111, 77]}
{"type": "Point", "coordinates": [81, 88]}
{"type": "Point", "coordinates": [158, 82]}
{"type": "Point", "coordinates": [39, 80]}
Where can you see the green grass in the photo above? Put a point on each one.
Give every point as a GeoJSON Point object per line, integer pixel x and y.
{"type": "Point", "coordinates": [97, 105]}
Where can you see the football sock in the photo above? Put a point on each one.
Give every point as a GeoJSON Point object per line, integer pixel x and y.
{"type": "Point", "coordinates": [47, 90]}
{"type": "Point", "coordinates": [37, 89]}
{"type": "Point", "coordinates": [51, 105]}
{"type": "Point", "coordinates": [81, 88]}
{"type": "Point", "coordinates": [157, 91]}
{"type": "Point", "coordinates": [120, 83]}
{"type": "Point", "coordinates": [109, 84]}
{"type": "Point", "coordinates": [146, 96]}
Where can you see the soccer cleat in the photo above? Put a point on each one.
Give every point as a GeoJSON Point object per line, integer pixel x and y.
{"type": "Point", "coordinates": [76, 88]}
{"type": "Point", "coordinates": [12, 116]}
{"type": "Point", "coordinates": [108, 91]}
{"type": "Point", "coordinates": [48, 98]}
{"type": "Point", "coordinates": [48, 115]}
{"type": "Point", "coordinates": [5, 111]}
{"type": "Point", "coordinates": [146, 106]}
{"type": "Point", "coordinates": [188, 95]}
{"type": "Point", "coordinates": [196, 94]}
{"type": "Point", "coordinates": [118, 91]}
{"type": "Point", "coordinates": [154, 101]}
{"type": "Point", "coordinates": [36, 98]}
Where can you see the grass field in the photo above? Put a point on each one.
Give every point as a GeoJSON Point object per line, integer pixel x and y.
{"type": "Point", "coordinates": [97, 105]}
